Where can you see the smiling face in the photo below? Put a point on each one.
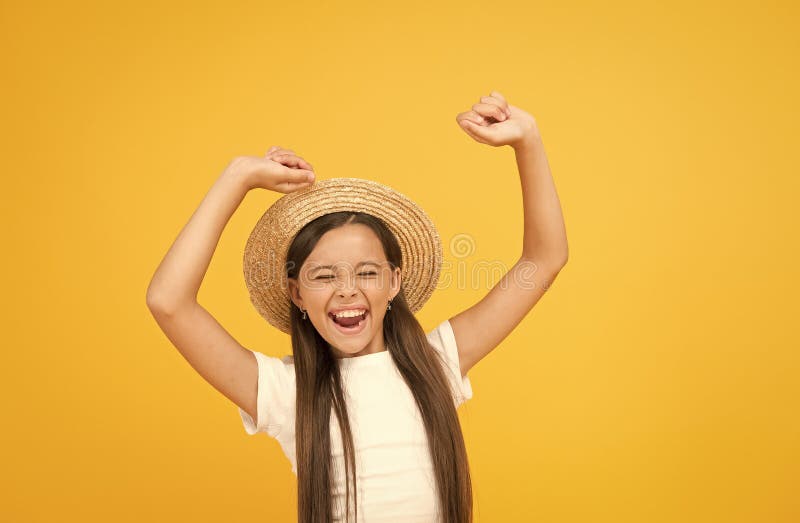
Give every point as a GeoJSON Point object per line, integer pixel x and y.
{"type": "Point", "coordinates": [347, 271]}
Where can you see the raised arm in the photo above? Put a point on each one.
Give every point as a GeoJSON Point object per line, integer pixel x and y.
{"type": "Point", "coordinates": [482, 327]}
{"type": "Point", "coordinates": [172, 294]}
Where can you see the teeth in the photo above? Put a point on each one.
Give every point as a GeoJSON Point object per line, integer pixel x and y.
{"type": "Point", "coordinates": [350, 314]}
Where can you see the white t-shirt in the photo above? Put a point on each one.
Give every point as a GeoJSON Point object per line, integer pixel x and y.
{"type": "Point", "coordinates": [394, 469]}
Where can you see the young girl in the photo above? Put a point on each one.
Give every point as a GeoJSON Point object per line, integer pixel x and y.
{"type": "Point", "coordinates": [365, 407]}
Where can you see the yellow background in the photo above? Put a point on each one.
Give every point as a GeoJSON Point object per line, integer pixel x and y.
{"type": "Point", "coordinates": [656, 381]}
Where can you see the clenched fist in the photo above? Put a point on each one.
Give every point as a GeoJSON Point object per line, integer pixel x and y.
{"type": "Point", "coordinates": [495, 122]}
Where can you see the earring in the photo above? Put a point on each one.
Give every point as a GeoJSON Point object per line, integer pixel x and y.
{"type": "Point", "coordinates": [304, 313]}
{"type": "Point", "coordinates": [390, 306]}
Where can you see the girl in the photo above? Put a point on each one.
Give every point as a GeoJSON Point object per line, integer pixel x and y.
{"type": "Point", "coordinates": [365, 407]}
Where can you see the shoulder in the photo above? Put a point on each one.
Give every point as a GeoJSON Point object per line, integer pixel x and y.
{"type": "Point", "coordinates": [443, 340]}
{"type": "Point", "coordinates": [275, 372]}
{"type": "Point", "coordinates": [441, 336]}
{"type": "Point", "coordinates": [266, 360]}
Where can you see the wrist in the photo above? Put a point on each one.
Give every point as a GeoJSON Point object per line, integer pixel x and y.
{"type": "Point", "coordinates": [530, 141]}
{"type": "Point", "coordinates": [235, 178]}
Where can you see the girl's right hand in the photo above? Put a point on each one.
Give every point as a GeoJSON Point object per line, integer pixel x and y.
{"type": "Point", "coordinates": [279, 170]}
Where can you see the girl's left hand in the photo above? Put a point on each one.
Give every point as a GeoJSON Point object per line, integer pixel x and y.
{"type": "Point", "coordinates": [495, 122]}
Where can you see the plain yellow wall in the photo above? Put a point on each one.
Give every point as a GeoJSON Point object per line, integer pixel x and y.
{"type": "Point", "coordinates": [656, 381]}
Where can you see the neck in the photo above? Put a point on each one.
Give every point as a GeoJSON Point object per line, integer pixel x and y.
{"type": "Point", "coordinates": [375, 345]}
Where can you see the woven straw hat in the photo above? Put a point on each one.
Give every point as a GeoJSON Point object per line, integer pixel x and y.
{"type": "Point", "coordinates": [265, 252]}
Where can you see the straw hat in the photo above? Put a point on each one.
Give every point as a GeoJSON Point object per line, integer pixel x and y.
{"type": "Point", "coordinates": [265, 252]}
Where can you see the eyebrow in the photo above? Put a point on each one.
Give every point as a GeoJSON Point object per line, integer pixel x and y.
{"type": "Point", "coordinates": [368, 262]}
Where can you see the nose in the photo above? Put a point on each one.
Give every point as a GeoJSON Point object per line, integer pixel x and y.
{"type": "Point", "coordinates": [346, 285]}
{"type": "Point", "coordinates": [345, 294]}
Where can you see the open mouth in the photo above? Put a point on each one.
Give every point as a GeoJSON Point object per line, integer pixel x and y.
{"type": "Point", "coordinates": [349, 326]}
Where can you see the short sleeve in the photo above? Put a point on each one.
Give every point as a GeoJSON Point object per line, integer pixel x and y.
{"type": "Point", "coordinates": [275, 396]}
{"type": "Point", "coordinates": [444, 341]}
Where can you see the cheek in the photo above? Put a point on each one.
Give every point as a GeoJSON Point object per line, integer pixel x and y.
{"type": "Point", "coordinates": [381, 285]}
{"type": "Point", "coordinates": [316, 297]}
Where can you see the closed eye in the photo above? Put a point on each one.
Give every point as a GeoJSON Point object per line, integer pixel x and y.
{"type": "Point", "coordinates": [329, 276]}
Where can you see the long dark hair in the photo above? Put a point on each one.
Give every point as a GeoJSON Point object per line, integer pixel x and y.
{"type": "Point", "coordinates": [319, 388]}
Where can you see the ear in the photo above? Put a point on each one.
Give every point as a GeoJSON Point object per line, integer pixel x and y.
{"type": "Point", "coordinates": [294, 293]}
{"type": "Point", "coordinates": [397, 280]}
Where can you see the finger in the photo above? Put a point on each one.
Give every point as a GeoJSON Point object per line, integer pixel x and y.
{"type": "Point", "coordinates": [287, 159]}
{"type": "Point", "coordinates": [291, 186]}
{"type": "Point", "coordinates": [473, 129]}
{"type": "Point", "coordinates": [499, 96]}
{"type": "Point", "coordinates": [475, 117]}
{"type": "Point", "coordinates": [278, 150]}
{"type": "Point", "coordinates": [503, 102]}
{"type": "Point", "coordinates": [287, 187]}
{"type": "Point", "coordinates": [292, 159]}
{"type": "Point", "coordinates": [275, 149]}
{"type": "Point", "coordinates": [466, 123]}
{"type": "Point", "coordinates": [490, 110]}
{"type": "Point", "coordinates": [298, 175]}
{"type": "Point", "coordinates": [304, 164]}
{"type": "Point", "coordinates": [499, 102]}
{"type": "Point", "coordinates": [472, 116]}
